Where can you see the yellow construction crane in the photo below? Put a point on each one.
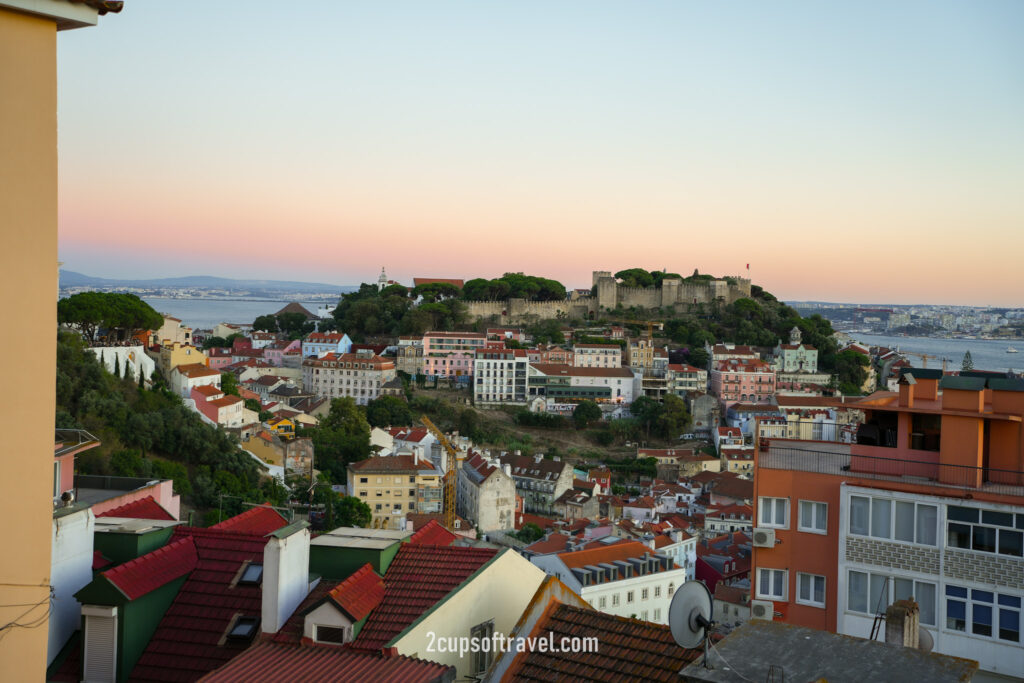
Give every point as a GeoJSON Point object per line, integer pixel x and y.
{"type": "Point", "coordinates": [924, 358]}
{"type": "Point", "coordinates": [448, 487]}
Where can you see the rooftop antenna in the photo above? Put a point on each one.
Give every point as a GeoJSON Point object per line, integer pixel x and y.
{"type": "Point", "coordinates": [689, 616]}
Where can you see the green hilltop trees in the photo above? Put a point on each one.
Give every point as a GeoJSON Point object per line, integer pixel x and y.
{"type": "Point", "coordinates": [121, 315]}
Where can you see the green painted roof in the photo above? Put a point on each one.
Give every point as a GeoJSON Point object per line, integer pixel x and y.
{"type": "Point", "coordinates": [962, 383]}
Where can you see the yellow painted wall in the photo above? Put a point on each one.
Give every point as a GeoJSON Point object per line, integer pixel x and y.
{"type": "Point", "coordinates": [28, 275]}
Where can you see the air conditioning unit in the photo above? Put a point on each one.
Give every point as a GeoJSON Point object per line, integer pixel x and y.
{"type": "Point", "coordinates": [764, 538]}
{"type": "Point", "coordinates": [762, 609]}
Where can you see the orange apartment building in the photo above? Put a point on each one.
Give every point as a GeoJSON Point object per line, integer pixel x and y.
{"type": "Point", "coordinates": [928, 503]}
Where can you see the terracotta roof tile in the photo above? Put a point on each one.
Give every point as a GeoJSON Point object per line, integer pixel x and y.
{"type": "Point", "coordinates": [142, 575]}
{"type": "Point", "coordinates": [618, 551]}
{"type": "Point", "coordinates": [419, 577]}
{"type": "Point", "coordinates": [144, 508]}
{"type": "Point", "coordinates": [628, 649]}
{"type": "Point", "coordinates": [360, 593]}
{"type": "Point", "coordinates": [260, 519]}
{"type": "Point", "coordinates": [432, 534]}
{"type": "Point", "coordinates": [288, 663]}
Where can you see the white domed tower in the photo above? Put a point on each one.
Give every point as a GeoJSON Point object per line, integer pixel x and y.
{"type": "Point", "coordinates": [382, 281]}
{"type": "Point", "coordinates": [795, 336]}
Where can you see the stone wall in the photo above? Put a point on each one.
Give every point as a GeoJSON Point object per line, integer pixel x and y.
{"type": "Point", "coordinates": [674, 293]}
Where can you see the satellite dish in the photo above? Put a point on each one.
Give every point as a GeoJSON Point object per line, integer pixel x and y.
{"type": "Point", "coordinates": [689, 615]}
{"type": "Point", "coordinates": [925, 642]}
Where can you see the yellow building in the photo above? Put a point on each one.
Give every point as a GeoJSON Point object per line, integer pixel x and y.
{"type": "Point", "coordinates": [175, 354]}
{"type": "Point", "coordinates": [281, 426]}
{"type": "Point", "coordinates": [394, 486]}
{"type": "Point", "coordinates": [28, 267]}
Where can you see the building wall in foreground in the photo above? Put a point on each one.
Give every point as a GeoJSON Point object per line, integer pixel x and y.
{"type": "Point", "coordinates": [28, 271]}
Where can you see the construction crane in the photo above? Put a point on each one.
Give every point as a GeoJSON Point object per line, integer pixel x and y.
{"type": "Point", "coordinates": [650, 324]}
{"type": "Point", "coordinates": [924, 358]}
{"type": "Point", "coordinates": [448, 486]}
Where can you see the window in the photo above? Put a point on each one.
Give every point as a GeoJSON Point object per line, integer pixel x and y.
{"type": "Point", "coordinates": [252, 575]}
{"type": "Point", "coordinates": [643, 615]}
{"type": "Point", "coordinates": [899, 520]}
{"type": "Point", "coordinates": [602, 602]}
{"type": "Point", "coordinates": [643, 593]}
{"type": "Point", "coordinates": [773, 512]}
{"type": "Point", "coordinates": [481, 632]}
{"type": "Point", "coordinates": [330, 634]}
{"type": "Point", "coordinates": [244, 628]}
{"type": "Point", "coordinates": [983, 613]}
{"type": "Point", "coordinates": [810, 590]}
{"type": "Point", "coordinates": [987, 531]}
{"type": "Point", "coordinates": [657, 615]}
{"type": "Point", "coordinates": [870, 593]}
{"type": "Point", "coordinates": [771, 584]}
{"type": "Point", "coordinates": [813, 516]}
{"type": "Point", "coordinates": [657, 593]}
{"type": "Point", "coordinates": [629, 597]}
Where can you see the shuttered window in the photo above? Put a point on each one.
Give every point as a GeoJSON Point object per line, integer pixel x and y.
{"type": "Point", "coordinates": [100, 648]}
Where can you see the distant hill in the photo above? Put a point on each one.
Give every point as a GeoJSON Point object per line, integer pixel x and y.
{"type": "Point", "coordinates": [69, 278]}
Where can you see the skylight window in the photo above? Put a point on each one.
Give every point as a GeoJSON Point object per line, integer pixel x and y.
{"type": "Point", "coordinates": [244, 628]}
{"type": "Point", "coordinates": [252, 576]}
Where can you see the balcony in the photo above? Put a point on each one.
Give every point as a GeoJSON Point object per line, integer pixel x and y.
{"type": "Point", "coordinates": [874, 462]}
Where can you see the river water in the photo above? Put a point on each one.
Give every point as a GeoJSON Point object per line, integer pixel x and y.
{"type": "Point", "coordinates": [987, 354]}
{"type": "Point", "coordinates": [205, 313]}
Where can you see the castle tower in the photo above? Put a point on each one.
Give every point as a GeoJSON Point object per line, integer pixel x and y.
{"type": "Point", "coordinates": [795, 336]}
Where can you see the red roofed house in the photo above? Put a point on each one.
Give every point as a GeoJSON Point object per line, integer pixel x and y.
{"type": "Point", "coordinates": [185, 378]}
{"type": "Point", "coordinates": [683, 379]}
{"type": "Point", "coordinates": [188, 607]}
{"type": "Point", "coordinates": [735, 380]}
{"type": "Point", "coordinates": [217, 408]}
{"type": "Point", "coordinates": [626, 578]}
{"type": "Point", "coordinates": [485, 493]}
{"type": "Point", "coordinates": [448, 591]}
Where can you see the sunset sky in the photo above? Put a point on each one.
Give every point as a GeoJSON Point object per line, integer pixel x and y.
{"type": "Point", "coordinates": [870, 152]}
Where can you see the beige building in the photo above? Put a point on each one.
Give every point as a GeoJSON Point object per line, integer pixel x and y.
{"type": "Point", "coordinates": [28, 266]}
{"type": "Point", "coordinates": [394, 486]}
{"type": "Point", "coordinates": [359, 375]}
{"type": "Point", "coordinates": [597, 355]}
{"type": "Point", "coordinates": [172, 331]}
{"type": "Point", "coordinates": [174, 354]}
{"type": "Point", "coordinates": [410, 355]}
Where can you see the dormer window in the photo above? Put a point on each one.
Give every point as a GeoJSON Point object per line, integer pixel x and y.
{"type": "Point", "coordinates": [252, 575]}
{"type": "Point", "coordinates": [244, 628]}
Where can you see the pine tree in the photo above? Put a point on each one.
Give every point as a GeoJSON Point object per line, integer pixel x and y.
{"type": "Point", "coordinates": [968, 363]}
{"type": "Point", "coordinates": [117, 366]}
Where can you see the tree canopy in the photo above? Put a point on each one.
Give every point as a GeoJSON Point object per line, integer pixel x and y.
{"type": "Point", "coordinates": [342, 437]}
{"type": "Point", "coordinates": [392, 311]}
{"type": "Point", "coordinates": [122, 316]}
{"type": "Point", "coordinates": [638, 277]}
{"type": "Point", "coordinates": [386, 411]}
{"type": "Point", "coordinates": [514, 286]}
{"type": "Point", "coordinates": [295, 325]}
{"type": "Point", "coordinates": [584, 413]}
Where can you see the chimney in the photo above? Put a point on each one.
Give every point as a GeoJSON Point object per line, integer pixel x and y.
{"type": "Point", "coordinates": [285, 574]}
{"type": "Point", "coordinates": [507, 469]}
{"type": "Point", "coordinates": [902, 623]}
{"type": "Point", "coordinates": [906, 384]}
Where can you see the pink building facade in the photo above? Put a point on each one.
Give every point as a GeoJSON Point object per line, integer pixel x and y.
{"type": "Point", "coordinates": [451, 354]}
{"type": "Point", "coordinates": [742, 380]}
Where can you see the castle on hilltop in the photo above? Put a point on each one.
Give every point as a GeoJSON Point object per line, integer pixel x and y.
{"type": "Point", "coordinates": [609, 294]}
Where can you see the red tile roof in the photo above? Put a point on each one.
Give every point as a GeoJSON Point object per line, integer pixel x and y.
{"type": "Point", "coordinates": [432, 534]}
{"type": "Point", "coordinates": [618, 551]}
{"type": "Point", "coordinates": [138, 577]}
{"type": "Point", "coordinates": [555, 543]}
{"type": "Point", "coordinates": [417, 281]}
{"type": "Point", "coordinates": [186, 644]}
{"type": "Point", "coordinates": [628, 649]}
{"type": "Point", "coordinates": [291, 664]}
{"type": "Point", "coordinates": [292, 632]}
{"type": "Point", "coordinates": [414, 434]}
{"type": "Point", "coordinates": [527, 518]}
{"type": "Point", "coordinates": [419, 577]}
{"type": "Point", "coordinates": [360, 593]}
{"type": "Point", "coordinates": [98, 561]}
{"type": "Point", "coordinates": [260, 519]}
{"type": "Point", "coordinates": [207, 390]}
{"type": "Point", "coordinates": [392, 463]}
{"type": "Point", "coordinates": [193, 370]}
{"type": "Point", "coordinates": [144, 508]}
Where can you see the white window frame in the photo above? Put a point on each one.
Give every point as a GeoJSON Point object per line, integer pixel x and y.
{"type": "Point", "coordinates": [773, 523]}
{"type": "Point", "coordinates": [810, 528]}
{"type": "Point", "coordinates": [891, 537]}
{"type": "Point", "coordinates": [801, 577]}
{"type": "Point", "coordinates": [784, 597]}
{"type": "Point", "coordinates": [890, 590]}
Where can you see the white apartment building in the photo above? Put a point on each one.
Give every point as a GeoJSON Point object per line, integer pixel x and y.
{"type": "Point", "coordinates": [960, 559]}
{"type": "Point", "coordinates": [611, 385]}
{"type": "Point", "coordinates": [597, 355]}
{"type": "Point", "coordinates": [499, 376]}
{"type": "Point", "coordinates": [185, 378]}
{"type": "Point", "coordinates": [626, 579]}
{"type": "Point", "coordinates": [358, 375]}
{"type": "Point", "coordinates": [485, 493]}
{"type": "Point", "coordinates": [683, 379]}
